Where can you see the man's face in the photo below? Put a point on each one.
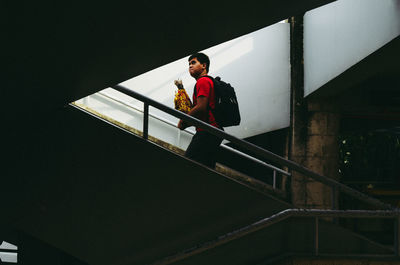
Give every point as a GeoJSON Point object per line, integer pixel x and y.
{"type": "Point", "coordinates": [196, 68]}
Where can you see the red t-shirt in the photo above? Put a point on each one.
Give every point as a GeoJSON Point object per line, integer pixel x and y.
{"type": "Point", "coordinates": [205, 87]}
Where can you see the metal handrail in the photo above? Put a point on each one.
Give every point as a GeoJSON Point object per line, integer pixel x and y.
{"type": "Point", "coordinates": [289, 213]}
{"type": "Point", "coordinates": [223, 146]}
{"type": "Point", "coordinates": [139, 110]}
{"type": "Point", "coordinates": [254, 149]}
{"type": "Point", "coordinates": [314, 213]}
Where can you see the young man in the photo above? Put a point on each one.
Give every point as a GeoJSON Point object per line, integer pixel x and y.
{"type": "Point", "coordinates": [204, 146]}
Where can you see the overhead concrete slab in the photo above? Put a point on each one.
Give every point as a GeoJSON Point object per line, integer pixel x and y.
{"type": "Point", "coordinates": [62, 52]}
{"type": "Point", "coordinates": [381, 65]}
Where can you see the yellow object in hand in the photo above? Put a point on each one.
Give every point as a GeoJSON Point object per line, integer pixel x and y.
{"type": "Point", "coordinates": [182, 100]}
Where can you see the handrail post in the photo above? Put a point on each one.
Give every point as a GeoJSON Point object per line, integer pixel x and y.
{"type": "Point", "coordinates": [397, 236]}
{"type": "Point", "coordinates": [274, 180]}
{"type": "Point", "coordinates": [145, 120]}
{"type": "Point", "coordinates": [334, 202]}
{"type": "Point", "coordinates": [316, 236]}
{"type": "Point", "coordinates": [178, 138]}
{"type": "Point", "coordinates": [333, 198]}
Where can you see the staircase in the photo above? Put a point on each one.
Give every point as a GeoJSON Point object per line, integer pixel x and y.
{"type": "Point", "coordinates": [165, 209]}
{"type": "Point", "coordinates": [131, 205]}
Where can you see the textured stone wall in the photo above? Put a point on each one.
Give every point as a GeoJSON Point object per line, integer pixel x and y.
{"type": "Point", "coordinates": [322, 151]}
{"type": "Point", "coordinates": [317, 150]}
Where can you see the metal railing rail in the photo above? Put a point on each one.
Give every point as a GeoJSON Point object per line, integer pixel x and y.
{"type": "Point", "coordinates": [292, 213]}
{"type": "Point", "coordinates": [254, 149]}
{"type": "Point", "coordinates": [223, 146]}
{"type": "Point", "coordinates": [140, 110]}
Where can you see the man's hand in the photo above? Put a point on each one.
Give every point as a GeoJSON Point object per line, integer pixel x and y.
{"type": "Point", "coordinates": [182, 125]}
{"type": "Point", "coordinates": [198, 111]}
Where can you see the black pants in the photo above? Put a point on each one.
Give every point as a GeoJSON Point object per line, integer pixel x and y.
{"type": "Point", "coordinates": [203, 148]}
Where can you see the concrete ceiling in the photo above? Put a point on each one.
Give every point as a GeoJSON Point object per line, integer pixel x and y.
{"type": "Point", "coordinates": [56, 53]}
{"type": "Point", "coordinates": [378, 74]}
{"type": "Point", "coordinates": [367, 95]}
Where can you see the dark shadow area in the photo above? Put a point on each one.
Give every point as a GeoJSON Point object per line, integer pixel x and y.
{"type": "Point", "coordinates": [107, 196]}
{"type": "Point", "coordinates": [32, 251]}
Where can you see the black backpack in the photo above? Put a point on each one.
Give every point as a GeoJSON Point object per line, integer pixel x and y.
{"type": "Point", "coordinates": [226, 110]}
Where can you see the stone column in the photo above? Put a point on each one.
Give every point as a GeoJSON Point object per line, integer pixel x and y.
{"type": "Point", "coordinates": [322, 150]}
{"type": "Point", "coordinates": [314, 127]}
{"type": "Point", "coordinates": [298, 111]}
